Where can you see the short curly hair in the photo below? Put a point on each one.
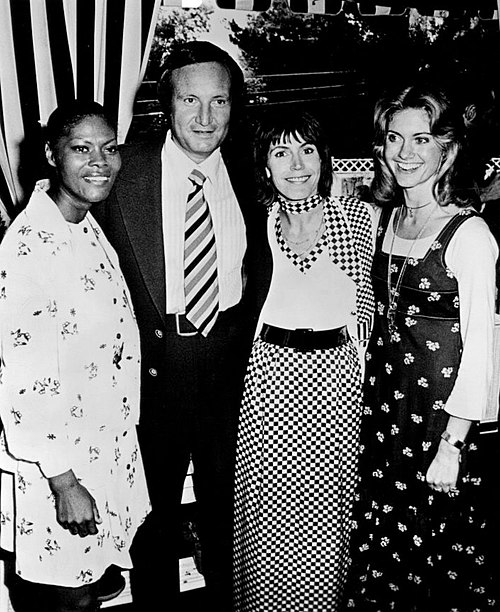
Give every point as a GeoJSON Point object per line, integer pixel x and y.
{"type": "Point", "coordinates": [69, 114]}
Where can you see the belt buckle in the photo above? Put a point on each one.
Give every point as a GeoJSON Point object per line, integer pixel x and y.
{"type": "Point", "coordinates": [302, 331]}
{"type": "Point", "coordinates": [178, 328]}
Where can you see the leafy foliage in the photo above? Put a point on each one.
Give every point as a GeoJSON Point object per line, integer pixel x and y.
{"type": "Point", "coordinates": [381, 49]}
{"type": "Point", "coordinates": [175, 27]}
{"type": "Point", "coordinates": [280, 41]}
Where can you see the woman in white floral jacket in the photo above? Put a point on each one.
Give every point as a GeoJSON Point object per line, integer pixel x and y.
{"type": "Point", "coordinates": [69, 377]}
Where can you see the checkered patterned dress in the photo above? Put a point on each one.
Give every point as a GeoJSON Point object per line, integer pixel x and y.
{"type": "Point", "coordinates": [296, 456]}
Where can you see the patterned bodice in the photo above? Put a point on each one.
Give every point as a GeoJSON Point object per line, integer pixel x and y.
{"type": "Point", "coordinates": [428, 288]}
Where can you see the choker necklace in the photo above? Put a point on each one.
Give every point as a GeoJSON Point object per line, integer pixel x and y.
{"type": "Point", "coordinates": [410, 209]}
{"type": "Point", "coordinates": [393, 291]}
{"type": "Point", "coordinates": [296, 207]}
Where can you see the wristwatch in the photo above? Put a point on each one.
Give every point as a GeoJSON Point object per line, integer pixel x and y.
{"type": "Point", "coordinates": [446, 435]}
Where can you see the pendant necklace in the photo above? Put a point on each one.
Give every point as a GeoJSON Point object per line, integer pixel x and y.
{"type": "Point", "coordinates": [393, 292]}
{"type": "Point", "coordinates": [308, 241]}
{"type": "Point", "coordinates": [410, 209]}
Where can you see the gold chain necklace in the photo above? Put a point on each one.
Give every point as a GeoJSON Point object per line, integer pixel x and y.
{"type": "Point", "coordinates": [393, 292]}
{"type": "Point", "coordinates": [410, 209]}
{"type": "Point", "coordinates": [310, 241]}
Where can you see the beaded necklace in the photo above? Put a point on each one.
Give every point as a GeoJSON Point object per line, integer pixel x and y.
{"type": "Point", "coordinates": [393, 292]}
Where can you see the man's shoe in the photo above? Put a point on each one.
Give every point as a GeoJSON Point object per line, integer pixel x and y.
{"type": "Point", "coordinates": [111, 584]}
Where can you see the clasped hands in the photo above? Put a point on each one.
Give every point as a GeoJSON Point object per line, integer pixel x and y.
{"type": "Point", "coordinates": [75, 507]}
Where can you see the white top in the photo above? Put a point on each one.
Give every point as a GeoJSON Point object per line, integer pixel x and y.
{"type": "Point", "coordinates": [471, 256]}
{"type": "Point", "coordinates": [324, 297]}
{"type": "Point", "coordinates": [229, 226]}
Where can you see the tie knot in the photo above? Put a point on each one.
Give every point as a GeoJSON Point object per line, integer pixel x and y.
{"type": "Point", "coordinates": [197, 177]}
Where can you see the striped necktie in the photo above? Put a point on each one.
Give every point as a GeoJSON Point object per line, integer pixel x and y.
{"type": "Point", "coordinates": [200, 259]}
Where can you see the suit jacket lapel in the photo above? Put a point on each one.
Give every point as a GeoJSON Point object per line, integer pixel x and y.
{"type": "Point", "coordinates": [140, 195]}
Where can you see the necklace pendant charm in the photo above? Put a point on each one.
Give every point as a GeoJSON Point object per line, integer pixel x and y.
{"type": "Point", "coordinates": [394, 291]}
{"type": "Point", "coordinates": [391, 317]}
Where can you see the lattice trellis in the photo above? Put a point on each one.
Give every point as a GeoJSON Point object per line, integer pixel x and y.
{"type": "Point", "coordinates": [352, 165]}
{"type": "Point", "coordinates": [364, 164]}
{"type": "Point", "coordinates": [494, 163]}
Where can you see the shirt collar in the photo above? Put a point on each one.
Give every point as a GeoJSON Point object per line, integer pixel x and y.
{"type": "Point", "coordinates": [181, 165]}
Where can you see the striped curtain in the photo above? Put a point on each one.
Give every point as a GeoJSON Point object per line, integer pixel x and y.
{"type": "Point", "coordinates": [56, 50]}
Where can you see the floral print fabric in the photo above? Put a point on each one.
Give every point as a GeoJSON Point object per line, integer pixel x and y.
{"type": "Point", "coordinates": [412, 548]}
{"type": "Point", "coordinates": [69, 394]}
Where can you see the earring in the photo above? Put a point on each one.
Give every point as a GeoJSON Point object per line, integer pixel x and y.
{"type": "Point", "coordinates": [268, 173]}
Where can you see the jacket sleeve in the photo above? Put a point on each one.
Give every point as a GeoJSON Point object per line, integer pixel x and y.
{"type": "Point", "coordinates": [471, 256]}
{"type": "Point", "coordinates": [33, 405]}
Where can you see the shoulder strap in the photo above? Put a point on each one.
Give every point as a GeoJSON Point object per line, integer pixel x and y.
{"type": "Point", "coordinates": [384, 219]}
{"type": "Point", "coordinates": [448, 231]}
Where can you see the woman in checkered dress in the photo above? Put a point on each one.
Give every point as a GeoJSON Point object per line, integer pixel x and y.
{"type": "Point", "coordinates": [299, 422]}
{"type": "Point", "coordinates": [420, 529]}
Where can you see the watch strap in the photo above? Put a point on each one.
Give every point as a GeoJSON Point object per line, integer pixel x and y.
{"type": "Point", "coordinates": [456, 442]}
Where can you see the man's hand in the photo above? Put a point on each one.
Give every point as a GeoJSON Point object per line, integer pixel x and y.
{"type": "Point", "coordinates": [75, 507]}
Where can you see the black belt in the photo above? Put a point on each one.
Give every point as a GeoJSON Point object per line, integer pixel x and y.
{"type": "Point", "coordinates": [304, 339]}
{"type": "Point", "coordinates": [179, 324]}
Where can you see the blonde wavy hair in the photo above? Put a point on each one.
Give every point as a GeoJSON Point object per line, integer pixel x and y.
{"type": "Point", "coordinates": [446, 127]}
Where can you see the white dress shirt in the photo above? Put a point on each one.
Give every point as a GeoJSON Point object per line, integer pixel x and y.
{"type": "Point", "coordinates": [229, 226]}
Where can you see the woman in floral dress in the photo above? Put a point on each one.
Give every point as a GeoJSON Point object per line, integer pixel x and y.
{"type": "Point", "coordinates": [69, 378]}
{"type": "Point", "coordinates": [419, 530]}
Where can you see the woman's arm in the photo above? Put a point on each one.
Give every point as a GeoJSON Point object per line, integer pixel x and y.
{"type": "Point", "coordinates": [34, 405]}
{"type": "Point", "coordinates": [443, 472]}
{"type": "Point", "coordinates": [471, 256]}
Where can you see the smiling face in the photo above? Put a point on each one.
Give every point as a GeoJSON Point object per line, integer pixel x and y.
{"type": "Point", "coordinates": [295, 168]}
{"type": "Point", "coordinates": [411, 152]}
{"type": "Point", "coordinates": [86, 160]}
{"type": "Point", "coordinates": [201, 108]}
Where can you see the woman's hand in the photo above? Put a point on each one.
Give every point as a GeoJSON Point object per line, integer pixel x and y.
{"type": "Point", "coordinates": [443, 472]}
{"type": "Point", "coordinates": [75, 507]}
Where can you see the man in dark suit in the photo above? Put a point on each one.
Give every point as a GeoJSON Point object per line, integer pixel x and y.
{"type": "Point", "coordinates": [192, 371]}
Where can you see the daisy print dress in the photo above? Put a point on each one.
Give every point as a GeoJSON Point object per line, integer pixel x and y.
{"type": "Point", "coordinates": [415, 549]}
{"type": "Point", "coordinates": [69, 395]}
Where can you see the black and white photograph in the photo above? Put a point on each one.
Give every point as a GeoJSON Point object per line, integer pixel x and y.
{"type": "Point", "coordinates": [249, 305]}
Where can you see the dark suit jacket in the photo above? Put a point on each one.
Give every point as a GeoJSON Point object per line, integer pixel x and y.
{"type": "Point", "coordinates": [132, 221]}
